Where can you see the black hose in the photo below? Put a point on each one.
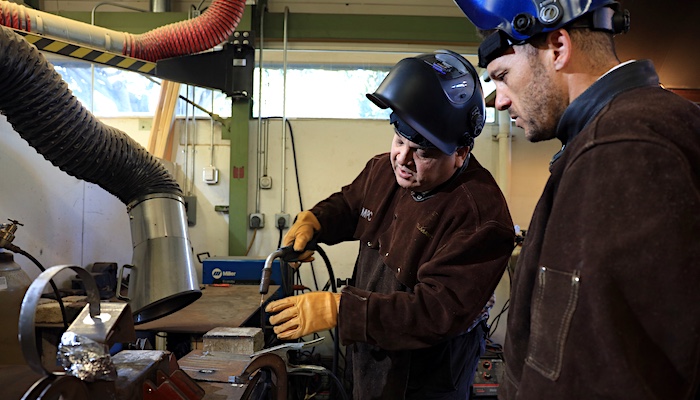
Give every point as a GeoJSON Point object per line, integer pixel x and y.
{"type": "Point", "coordinates": [16, 249]}
{"type": "Point", "coordinates": [334, 289]}
{"type": "Point", "coordinates": [42, 109]}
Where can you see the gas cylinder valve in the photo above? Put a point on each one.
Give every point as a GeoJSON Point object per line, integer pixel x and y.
{"type": "Point", "coordinates": [7, 232]}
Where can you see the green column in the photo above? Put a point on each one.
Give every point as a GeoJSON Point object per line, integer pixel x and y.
{"type": "Point", "coordinates": [236, 130]}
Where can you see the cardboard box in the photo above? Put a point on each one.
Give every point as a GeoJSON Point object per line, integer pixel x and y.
{"type": "Point", "coordinates": [238, 270]}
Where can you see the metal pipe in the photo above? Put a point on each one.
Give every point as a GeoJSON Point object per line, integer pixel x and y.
{"type": "Point", "coordinates": [160, 5]}
{"type": "Point", "coordinates": [261, 149]}
{"type": "Point", "coordinates": [284, 113]}
{"type": "Point", "coordinates": [504, 152]}
{"type": "Point", "coordinates": [107, 3]}
{"type": "Point", "coordinates": [186, 150]}
{"type": "Point", "coordinates": [190, 190]}
{"type": "Point", "coordinates": [211, 141]}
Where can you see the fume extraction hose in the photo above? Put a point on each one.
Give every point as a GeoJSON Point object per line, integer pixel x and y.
{"type": "Point", "coordinates": [42, 109]}
{"type": "Point", "coordinates": [210, 29]}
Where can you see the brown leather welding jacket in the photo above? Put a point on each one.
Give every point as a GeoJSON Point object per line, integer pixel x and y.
{"type": "Point", "coordinates": [606, 290]}
{"type": "Point", "coordinates": [426, 266]}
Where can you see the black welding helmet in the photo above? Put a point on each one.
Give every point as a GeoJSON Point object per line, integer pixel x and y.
{"type": "Point", "coordinates": [516, 21]}
{"type": "Point", "coordinates": [436, 95]}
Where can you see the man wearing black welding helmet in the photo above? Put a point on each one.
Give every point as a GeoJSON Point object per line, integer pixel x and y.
{"type": "Point", "coordinates": [434, 233]}
{"type": "Point", "coordinates": [609, 265]}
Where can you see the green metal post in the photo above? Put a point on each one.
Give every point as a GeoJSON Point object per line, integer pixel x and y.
{"type": "Point", "coordinates": [236, 130]}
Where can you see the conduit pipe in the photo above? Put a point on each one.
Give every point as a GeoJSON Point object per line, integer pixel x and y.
{"type": "Point", "coordinates": [41, 108]}
{"type": "Point", "coordinates": [210, 29]}
{"type": "Point", "coordinates": [504, 152]}
{"type": "Point", "coordinates": [283, 178]}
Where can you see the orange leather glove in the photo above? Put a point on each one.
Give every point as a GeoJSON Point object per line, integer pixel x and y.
{"type": "Point", "coordinates": [304, 228]}
{"type": "Point", "coordinates": [304, 314]}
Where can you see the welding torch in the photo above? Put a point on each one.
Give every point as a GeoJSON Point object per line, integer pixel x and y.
{"type": "Point", "coordinates": [288, 254]}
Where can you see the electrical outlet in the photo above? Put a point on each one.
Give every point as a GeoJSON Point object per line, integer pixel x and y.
{"type": "Point", "coordinates": [284, 219]}
{"type": "Point", "coordinates": [256, 220]}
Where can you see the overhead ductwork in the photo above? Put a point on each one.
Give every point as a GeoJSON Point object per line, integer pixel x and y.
{"type": "Point", "coordinates": [42, 109]}
{"type": "Point", "coordinates": [210, 29]}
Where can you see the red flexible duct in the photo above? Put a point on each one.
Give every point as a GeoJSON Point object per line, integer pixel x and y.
{"type": "Point", "coordinates": [211, 28]}
{"type": "Point", "coordinates": [12, 16]}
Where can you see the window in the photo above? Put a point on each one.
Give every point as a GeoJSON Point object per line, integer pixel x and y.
{"type": "Point", "coordinates": [318, 91]}
{"type": "Point", "coordinates": [320, 88]}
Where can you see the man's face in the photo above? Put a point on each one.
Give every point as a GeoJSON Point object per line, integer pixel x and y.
{"type": "Point", "coordinates": [421, 169]}
{"type": "Point", "coordinates": [527, 87]}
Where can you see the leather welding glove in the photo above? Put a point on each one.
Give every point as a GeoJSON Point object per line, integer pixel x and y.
{"type": "Point", "coordinates": [304, 314]}
{"type": "Point", "coordinates": [303, 229]}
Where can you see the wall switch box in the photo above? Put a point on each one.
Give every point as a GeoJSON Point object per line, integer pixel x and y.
{"type": "Point", "coordinates": [210, 175]}
{"type": "Point", "coordinates": [265, 182]}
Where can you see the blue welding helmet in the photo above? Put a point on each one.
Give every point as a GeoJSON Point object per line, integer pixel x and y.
{"type": "Point", "coordinates": [438, 95]}
{"type": "Point", "coordinates": [516, 21]}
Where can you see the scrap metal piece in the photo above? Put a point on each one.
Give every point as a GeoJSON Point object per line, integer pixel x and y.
{"type": "Point", "coordinates": [85, 359]}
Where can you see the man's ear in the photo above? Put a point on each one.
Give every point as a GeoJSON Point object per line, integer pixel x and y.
{"type": "Point", "coordinates": [559, 43]}
{"type": "Point", "coordinates": [461, 156]}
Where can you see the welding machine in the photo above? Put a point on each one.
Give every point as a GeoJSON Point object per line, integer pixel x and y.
{"type": "Point", "coordinates": [489, 373]}
{"type": "Point", "coordinates": [238, 270]}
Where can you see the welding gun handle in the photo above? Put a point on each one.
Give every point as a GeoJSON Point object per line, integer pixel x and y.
{"type": "Point", "coordinates": [287, 254]}
{"type": "Point", "coordinates": [290, 255]}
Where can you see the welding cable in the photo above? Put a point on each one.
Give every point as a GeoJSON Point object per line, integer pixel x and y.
{"type": "Point", "coordinates": [42, 109]}
{"type": "Point", "coordinates": [301, 371]}
{"type": "Point", "coordinates": [296, 174]}
{"type": "Point", "coordinates": [334, 289]}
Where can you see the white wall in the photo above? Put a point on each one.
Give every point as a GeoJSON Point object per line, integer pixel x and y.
{"type": "Point", "coordinates": [66, 221]}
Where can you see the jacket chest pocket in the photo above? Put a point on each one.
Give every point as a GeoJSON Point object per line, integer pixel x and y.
{"type": "Point", "coordinates": [407, 242]}
{"type": "Point", "coordinates": [553, 304]}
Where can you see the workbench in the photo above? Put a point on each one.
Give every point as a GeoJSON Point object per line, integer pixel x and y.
{"type": "Point", "coordinates": [231, 306]}
{"type": "Point", "coordinates": [219, 306]}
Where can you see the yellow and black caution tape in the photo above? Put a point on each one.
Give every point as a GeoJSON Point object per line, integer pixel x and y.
{"type": "Point", "coordinates": [56, 46]}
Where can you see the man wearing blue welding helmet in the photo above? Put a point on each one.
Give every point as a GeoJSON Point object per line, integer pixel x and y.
{"type": "Point", "coordinates": [604, 293]}
{"type": "Point", "coordinates": [434, 233]}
